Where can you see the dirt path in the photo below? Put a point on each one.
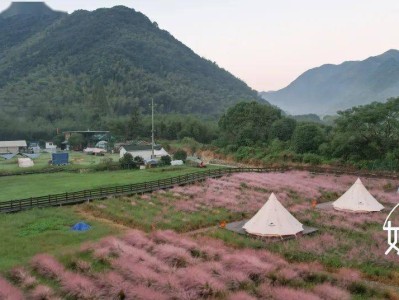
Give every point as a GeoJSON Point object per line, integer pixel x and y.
{"type": "Point", "coordinates": [89, 216]}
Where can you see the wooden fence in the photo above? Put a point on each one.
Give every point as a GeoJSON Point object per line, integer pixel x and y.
{"type": "Point", "coordinates": [150, 186]}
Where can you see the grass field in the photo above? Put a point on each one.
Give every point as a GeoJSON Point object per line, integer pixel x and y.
{"type": "Point", "coordinates": [48, 230]}
{"type": "Point", "coordinates": [76, 159]}
{"type": "Point", "coordinates": [25, 186]}
{"type": "Point", "coordinates": [343, 260]}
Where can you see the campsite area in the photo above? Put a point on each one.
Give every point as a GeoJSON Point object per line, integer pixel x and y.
{"type": "Point", "coordinates": [130, 248]}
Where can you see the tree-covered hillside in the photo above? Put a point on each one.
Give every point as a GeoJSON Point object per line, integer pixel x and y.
{"type": "Point", "coordinates": [89, 67]}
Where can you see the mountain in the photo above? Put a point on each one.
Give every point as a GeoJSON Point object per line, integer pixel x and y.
{"type": "Point", "coordinates": [28, 9]}
{"type": "Point", "coordinates": [78, 70]}
{"type": "Point", "coordinates": [329, 88]}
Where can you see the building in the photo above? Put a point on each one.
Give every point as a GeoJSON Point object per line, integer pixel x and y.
{"type": "Point", "coordinates": [144, 151]}
{"type": "Point", "coordinates": [50, 147]}
{"type": "Point", "coordinates": [12, 146]}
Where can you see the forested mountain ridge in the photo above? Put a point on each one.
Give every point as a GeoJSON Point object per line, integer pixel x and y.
{"type": "Point", "coordinates": [87, 67]}
{"type": "Point", "coordinates": [329, 88]}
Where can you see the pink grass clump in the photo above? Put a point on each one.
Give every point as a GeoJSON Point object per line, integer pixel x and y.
{"type": "Point", "coordinates": [22, 277]}
{"type": "Point", "coordinates": [78, 286]}
{"type": "Point", "coordinates": [288, 274]}
{"type": "Point", "coordinates": [173, 256]}
{"type": "Point", "coordinates": [47, 266]}
{"type": "Point", "coordinates": [196, 282]}
{"type": "Point", "coordinates": [41, 292]}
{"type": "Point", "coordinates": [348, 275]}
{"type": "Point", "coordinates": [113, 284]}
{"type": "Point", "coordinates": [241, 296]}
{"type": "Point", "coordinates": [137, 238]}
{"type": "Point", "coordinates": [8, 291]}
{"type": "Point", "coordinates": [285, 293]}
{"type": "Point", "coordinates": [248, 263]}
{"type": "Point", "coordinates": [329, 292]}
{"type": "Point", "coordinates": [141, 292]}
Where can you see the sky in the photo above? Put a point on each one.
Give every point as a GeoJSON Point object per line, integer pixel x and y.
{"type": "Point", "coordinates": [268, 43]}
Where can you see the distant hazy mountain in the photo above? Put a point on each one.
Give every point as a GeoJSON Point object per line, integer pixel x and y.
{"type": "Point", "coordinates": [329, 88]}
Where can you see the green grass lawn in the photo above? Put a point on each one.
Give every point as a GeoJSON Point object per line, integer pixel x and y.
{"type": "Point", "coordinates": [43, 231]}
{"type": "Point", "coordinates": [25, 186]}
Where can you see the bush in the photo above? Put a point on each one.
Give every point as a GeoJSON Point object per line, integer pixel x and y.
{"type": "Point", "coordinates": [180, 155]}
{"type": "Point", "coordinates": [127, 162]}
{"type": "Point", "coordinates": [107, 164]}
{"type": "Point", "coordinates": [313, 159]}
{"type": "Point", "coordinates": [139, 160]}
{"type": "Point", "coordinates": [165, 161]}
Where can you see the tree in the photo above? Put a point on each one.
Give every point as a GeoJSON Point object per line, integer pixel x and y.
{"type": "Point", "coordinates": [127, 162]}
{"type": "Point", "coordinates": [180, 155]}
{"type": "Point", "coordinates": [248, 123]}
{"type": "Point", "coordinates": [77, 141]}
{"type": "Point", "coordinates": [165, 160]}
{"type": "Point", "coordinates": [138, 160]}
{"type": "Point", "coordinates": [307, 137]}
{"type": "Point", "coordinates": [58, 139]}
{"type": "Point", "coordinates": [135, 124]}
{"type": "Point", "coordinates": [367, 132]}
{"type": "Point", "coordinates": [283, 129]}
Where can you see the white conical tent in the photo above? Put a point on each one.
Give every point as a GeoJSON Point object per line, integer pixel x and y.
{"type": "Point", "coordinates": [357, 198]}
{"type": "Point", "coordinates": [273, 220]}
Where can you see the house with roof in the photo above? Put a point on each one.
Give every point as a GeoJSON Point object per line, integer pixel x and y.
{"type": "Point", "coordinates": [12, 146]}
{"type": "Point", "coordinates": [144, 151]}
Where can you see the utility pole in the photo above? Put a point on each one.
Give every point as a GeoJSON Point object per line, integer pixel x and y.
{"type": "Point", "coordinates": [152, 130]}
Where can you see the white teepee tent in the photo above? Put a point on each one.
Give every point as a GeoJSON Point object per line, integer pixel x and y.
{"type": "Point", "coordinates": [357, 199]}
{"type": "Point", "coordinates": [273, 220]}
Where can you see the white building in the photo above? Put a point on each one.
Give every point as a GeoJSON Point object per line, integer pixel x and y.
{"type": "Point", "coordinates": [144, 151]}
{"type": "Point", "coordinates": [50, 147]}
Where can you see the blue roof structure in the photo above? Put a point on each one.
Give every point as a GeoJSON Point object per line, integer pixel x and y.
{"type": "Point", "coordinates": [81, 226]}
{"type": "Point", "coordinates": [8, 156]}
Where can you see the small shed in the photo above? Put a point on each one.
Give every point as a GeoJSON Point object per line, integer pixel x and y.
{"type": "Point", "coordinates": [12, 146]}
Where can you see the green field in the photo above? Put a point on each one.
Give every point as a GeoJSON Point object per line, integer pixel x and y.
{"type": "Point", "coordinates": [25, 186]}
{"type": "Point", "coordinates": [47, 230]}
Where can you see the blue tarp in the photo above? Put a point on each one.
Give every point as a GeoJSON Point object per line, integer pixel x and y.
{"type": "Point", "coordinates": [31, 155]}
{"type": "Point", "coordinates": [81, 226]}
{"type": "Point", "coordinates": [8, 155]}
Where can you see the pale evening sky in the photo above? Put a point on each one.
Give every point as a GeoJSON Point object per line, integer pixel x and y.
{"type": "Point", "coordinates": [268, 43]}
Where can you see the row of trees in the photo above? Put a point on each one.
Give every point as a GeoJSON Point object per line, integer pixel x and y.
{"type": "Point", "coordinates": [363, 134]}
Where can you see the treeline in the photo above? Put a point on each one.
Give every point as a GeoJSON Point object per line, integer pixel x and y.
{"type": "Point", "coordinates": [365, 136]}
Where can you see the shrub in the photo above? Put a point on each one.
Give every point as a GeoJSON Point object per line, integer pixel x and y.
{"type": "Point", "coordinates": [180, 155]}
{"type": "Point", "coordinates": [127, 162]}
{"type": "Point", "coordinates": [107, 164]}
{"type": "Point", "coordinates": [139, 160]}
{"type": "Point", "coordinates": [313, 159]}
{"type": "Point", "coordinates": [165, 160]}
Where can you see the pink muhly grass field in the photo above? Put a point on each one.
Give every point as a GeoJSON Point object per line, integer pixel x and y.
{"type": "Point", "coordinates": [175, 266]}
{"type": "Point", "coordinates": [8, 291]}
{"type": "Point", "coordinates": [249, 191]}
{"type": "Point", "coordinates": [47, 266]}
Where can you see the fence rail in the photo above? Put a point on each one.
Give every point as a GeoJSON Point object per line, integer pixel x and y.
{"type": "Point", "coordinates": [150, 186]}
